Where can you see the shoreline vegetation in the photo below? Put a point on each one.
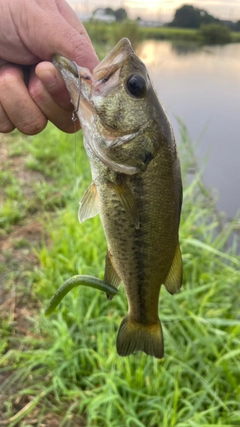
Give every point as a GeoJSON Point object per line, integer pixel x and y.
{"type": "Point", "coordinates": [102, 33]}
{"type": "Point", "coordinates": [189, 24]}
{"type": "Point", "coordinates": [63, 370]}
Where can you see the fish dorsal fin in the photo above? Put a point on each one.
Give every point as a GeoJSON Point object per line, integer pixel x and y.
{"type": "Point", "coordinates": [127, 200]}
{"type": "Point", "coordinates": [173, 281]}
{"type": "Point", "coordinates": [88, 206]}
{"type": "Point", "coordinates": [110, 276]}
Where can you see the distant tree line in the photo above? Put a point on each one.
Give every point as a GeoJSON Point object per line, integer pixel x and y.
{"type": "Point", "coordinates": [188, 16]}
{"type": "Point", "coordinates": [120, 14]}
{"type": "Point", "coordinates": [211, 30]}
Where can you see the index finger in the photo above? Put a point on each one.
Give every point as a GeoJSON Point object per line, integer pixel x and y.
{"type": "Point", "coordinates": [87, 57]}
{"type": "Point", "coordinates": [62, 33]}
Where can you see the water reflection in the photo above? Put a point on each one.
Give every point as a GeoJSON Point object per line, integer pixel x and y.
{"type": "Point", "coordinates": [201, 85]}
{"type": "Point", "coordinates": [184, 48]}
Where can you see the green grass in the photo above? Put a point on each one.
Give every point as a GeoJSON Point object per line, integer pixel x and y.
{"type": "Point", "coordinates": [235, 36]}
{"type": "Point", "coordinates": [109, 35]}
{"type": "Point", "coordinates": [64, 370]}
{"type": "Point", "coordinates": [170, 33]}
{"type": "Point", "coordinates": [183, 34]}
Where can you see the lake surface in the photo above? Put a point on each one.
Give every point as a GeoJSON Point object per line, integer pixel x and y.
{"type": "Point", "coordinates": [201, 86]}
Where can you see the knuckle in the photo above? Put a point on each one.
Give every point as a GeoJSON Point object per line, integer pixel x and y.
{"type": "Point", "coordinates": [34, 126]}
{"type": "Point", "coordinates": [26, 116]}
{"type": "Point", "coordinates": [9, 77]}
{"type": "Point", "coordinates": [6, 127]}
{"type": "Point", "coordinates": [80, 48]}
{"type": "Point", "coordinates": [37, 92]}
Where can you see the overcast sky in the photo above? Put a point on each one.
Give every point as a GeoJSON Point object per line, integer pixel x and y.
{"type": "Point", "coordinates": [162, 9]}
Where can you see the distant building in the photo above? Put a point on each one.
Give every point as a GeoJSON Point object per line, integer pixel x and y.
{"type": "Point", "coordinates": [84, 17]}
{"type": "Point", "coordinates": [145, 23]}
{"type": "Point", "coordinates": [229, 24]}
{"type": "Point", "coordinates": [101, 15]}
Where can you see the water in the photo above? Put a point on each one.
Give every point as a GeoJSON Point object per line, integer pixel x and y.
{"type": "Point", "coordinates": [201, 86]}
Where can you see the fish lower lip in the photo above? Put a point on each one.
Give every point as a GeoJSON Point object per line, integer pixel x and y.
{"type": "Point", "coordinates": [62, 62]}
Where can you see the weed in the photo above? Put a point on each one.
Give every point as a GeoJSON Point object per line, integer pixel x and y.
{"type": "Point", "coordinates": [64, 370]}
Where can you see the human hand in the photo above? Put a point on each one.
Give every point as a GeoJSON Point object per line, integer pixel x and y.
{"type": "Point", "coordinates": [32, 31]}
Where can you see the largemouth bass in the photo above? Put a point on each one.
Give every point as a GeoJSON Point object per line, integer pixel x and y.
{"type": "Point", "coordinates": [136, 186]}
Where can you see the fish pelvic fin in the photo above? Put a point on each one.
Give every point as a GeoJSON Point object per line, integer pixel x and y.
{"type": "Point", "coordinates": [88, 206]}
{"type": "Point", "coordinates": [173, 281]}
{"type": "Point", "coordinates": [110, 276]}
{"type": "Point", "coordinates": [134, 337]}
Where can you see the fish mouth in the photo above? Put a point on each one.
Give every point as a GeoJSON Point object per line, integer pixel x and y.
{"type": "Point", "coordinates": [81, 83]}
{"type": "Point", "coordinates": [84, 86]}
{"type": "Point", "coordinates": [103, 70]}
{"type": "Point", "coordinates": [78, 79]}
{"type": "Point", "coordinates": [69, 69]}
{"type": "Point", "coordinates": [113, 60]}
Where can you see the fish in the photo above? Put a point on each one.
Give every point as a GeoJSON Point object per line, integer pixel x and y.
{"type": "Point", "coordinates": [136, 186]}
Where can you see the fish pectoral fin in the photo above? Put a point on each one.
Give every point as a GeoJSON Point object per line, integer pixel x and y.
{"type": "Point", "coordinates": [110, 276]}
{"type": "Point", "coordinates": [127, 200]}
{"type": "Point", "coordinates": [88, 206]}
{"type": "Point", "coordinates": [173, 281]}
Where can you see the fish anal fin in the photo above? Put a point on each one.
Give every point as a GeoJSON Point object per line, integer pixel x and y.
{"type": "Point", "coordinates": [88, 206]}
{"type": "Point", "coordinates": [173, 281]}
{"type": "Point", "coordinates": [134, 337]}
{"type": "Point", "coordinates": [110, 276]}
{"type": "Point", "coordinates": [127, 200]}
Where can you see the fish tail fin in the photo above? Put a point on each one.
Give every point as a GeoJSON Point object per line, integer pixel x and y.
{"type": "Point", "coordinates": [134, 337]}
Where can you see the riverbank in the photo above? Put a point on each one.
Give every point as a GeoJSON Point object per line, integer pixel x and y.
{"type": "Point", "coordinates": [111, 33]}
{"type": "Point", "coordinates": [185, 34]}
{"type": "Point", "coordinates": [64, 370]}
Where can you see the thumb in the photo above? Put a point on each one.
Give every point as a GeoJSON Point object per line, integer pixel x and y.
{"type": "Point", "coordinates": [54, 28]}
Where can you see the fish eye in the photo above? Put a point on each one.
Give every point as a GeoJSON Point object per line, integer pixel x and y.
{"type": "Point", "coordinates": [137, 85]}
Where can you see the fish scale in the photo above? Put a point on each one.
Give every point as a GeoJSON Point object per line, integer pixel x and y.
{"type": "Point", "coordinates": [136, 187]}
